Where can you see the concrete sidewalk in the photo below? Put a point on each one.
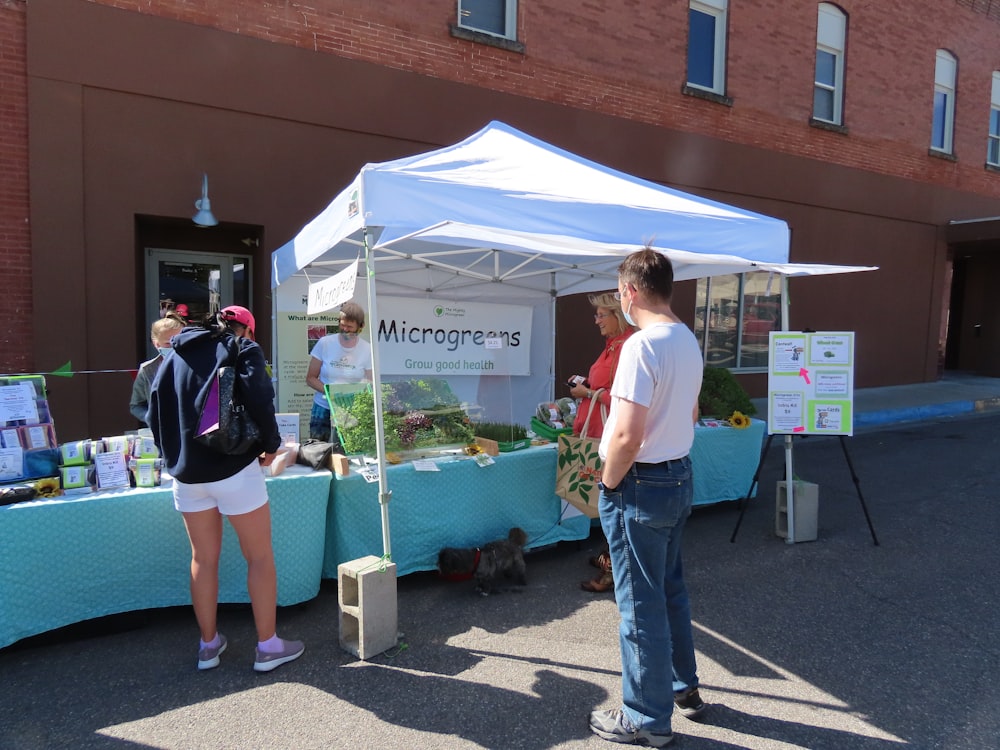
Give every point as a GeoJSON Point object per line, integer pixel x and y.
{"type": "Point", "coordinates": [835, 644]}
{"type": "Point", "coordinates": [955, 394]}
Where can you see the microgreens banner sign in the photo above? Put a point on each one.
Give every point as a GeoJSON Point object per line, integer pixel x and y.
{"type": "Point", "coordinates": [435, 337]}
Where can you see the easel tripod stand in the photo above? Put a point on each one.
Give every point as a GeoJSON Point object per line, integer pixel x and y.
{"type": "Point", "coordinates": [760, 463]}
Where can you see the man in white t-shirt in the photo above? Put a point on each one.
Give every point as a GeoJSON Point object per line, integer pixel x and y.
{"type": "Point", "coordinates": [342, 357]}
{"type": "Point", "coordinates": [645, 500]}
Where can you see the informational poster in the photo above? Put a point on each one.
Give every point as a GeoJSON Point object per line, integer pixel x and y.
{"type": "Point", "coordinates": [17, 403]}
{"type": "Point", "coordinates": [112, 471]}
{"type": "Point", "coordinates": [298, 334]}
{"type": "Point", "coordinates": [810, 384]}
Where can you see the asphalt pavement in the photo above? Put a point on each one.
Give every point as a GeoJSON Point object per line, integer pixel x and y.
{"type": "Point", "coordinates": [837, 643]}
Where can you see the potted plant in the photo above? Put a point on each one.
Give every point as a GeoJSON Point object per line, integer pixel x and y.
{"type": "Point", "coordinates": [722, 396]}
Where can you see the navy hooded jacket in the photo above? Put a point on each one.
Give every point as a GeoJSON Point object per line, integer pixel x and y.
{"type": "Point", "coordinates": [180, 389]}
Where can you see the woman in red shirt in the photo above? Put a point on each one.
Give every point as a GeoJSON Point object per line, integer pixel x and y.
{"type": "Point", "coordinates": [611, 322]}
{"type": "Point", "coordinates": [595, 393]}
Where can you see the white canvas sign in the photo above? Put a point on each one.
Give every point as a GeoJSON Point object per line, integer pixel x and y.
{"type": "Point", "coordinates": [336, 290]}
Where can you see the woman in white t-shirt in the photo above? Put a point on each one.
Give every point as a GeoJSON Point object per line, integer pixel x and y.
{"type": "Point", "coordinates": [342, 357]}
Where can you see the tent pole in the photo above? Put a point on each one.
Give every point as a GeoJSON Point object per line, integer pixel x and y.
{"type": "Point", "coordinates": [384, 493]}
{"type": "Point", "coordinates": [789, 472]}
{"type": "Point", "coordinates": [553, 297]}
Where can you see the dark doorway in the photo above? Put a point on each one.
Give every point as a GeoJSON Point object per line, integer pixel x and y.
{"type": "Point", "coordinates": [191, 270]}
{"type": "Point", "coordinates": [973, 339]}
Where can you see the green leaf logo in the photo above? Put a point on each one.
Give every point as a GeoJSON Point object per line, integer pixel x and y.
{"type": "Point", "coordinates": [439, 311]}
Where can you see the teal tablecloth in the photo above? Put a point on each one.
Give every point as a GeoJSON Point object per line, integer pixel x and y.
{"type": "Point", "coordinates": [724, 460]}
{"type": "Point", "coordinates": [78, 557]}
{"type": "Point", "coordinates": [462, 505]}
{"type": "Point", "coordinates": [465, 505]}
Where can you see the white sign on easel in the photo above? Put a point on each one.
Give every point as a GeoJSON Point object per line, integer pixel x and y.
{"type": "Point", "coordinates": [810, 383]}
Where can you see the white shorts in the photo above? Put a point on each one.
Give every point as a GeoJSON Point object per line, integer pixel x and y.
{"type": "Point", "coordinates": [241, 493]}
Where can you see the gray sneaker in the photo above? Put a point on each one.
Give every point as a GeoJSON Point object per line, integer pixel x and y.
{"type": "Point", "coordinates": [612, 725]}
{"type": "Point", "coordinates": [290, 651]}
{"type": "Point", "coordinates": [208, 658]}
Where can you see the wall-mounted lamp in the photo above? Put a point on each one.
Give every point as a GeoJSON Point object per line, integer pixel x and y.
{"type": "Point", "coordinates": [204, 217]}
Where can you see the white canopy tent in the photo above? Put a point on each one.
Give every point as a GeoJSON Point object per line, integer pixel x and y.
{"type": "Point", "coordinates": [504, 216]}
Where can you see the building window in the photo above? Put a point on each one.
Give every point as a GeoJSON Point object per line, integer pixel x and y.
{"type": "Point", "coordinates": [828, 91]}
{"type": "Point", "coordinates": [734, 315]}
{"type": "Point", "coordinates": [707, 45]}
{"type": "Point", "coordinates": [942, 132]}
{"type": "Point", "coordinates": [496, 17]}
{"type": "Point", "coordinates": [993, 148]}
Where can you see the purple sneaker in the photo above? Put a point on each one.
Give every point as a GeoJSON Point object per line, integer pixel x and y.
{"type": "Point", "coordinates": [290, 651]}
{"type": "Point", "coordinates": [613, 726]}
{"type": "Point", "coordinates": [208, 658]}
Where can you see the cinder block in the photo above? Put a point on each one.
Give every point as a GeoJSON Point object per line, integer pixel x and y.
{"type": "Point", "coordinates": [805, 496]}
{"type": "Point", "coordinates": [367, 598]}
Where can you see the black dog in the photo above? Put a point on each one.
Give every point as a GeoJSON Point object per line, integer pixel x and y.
{"type": "Point", "coordinates": [502, 558]}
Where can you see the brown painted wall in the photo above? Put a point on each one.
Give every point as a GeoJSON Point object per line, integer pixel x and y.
{"type": "Point", "coordinates": [127, 110]}
{"type": "Point", "coordinates": [631, 63]}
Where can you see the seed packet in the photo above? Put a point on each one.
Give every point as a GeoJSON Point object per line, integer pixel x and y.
{"type": "Point", "coordinates": [147, 472]}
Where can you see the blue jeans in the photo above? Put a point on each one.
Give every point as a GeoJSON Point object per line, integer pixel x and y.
{"type": "Point", "coordinates": [643, 519]}
{"type": "Point", "coordinates": [319, 423]}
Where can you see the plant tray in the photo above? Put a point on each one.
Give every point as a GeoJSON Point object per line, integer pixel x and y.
{"type": "Point", "coordinates": [495, 448]}
{"type": "Point", "coordinates": [547, 431]}
{"type": "Point", "coordinates": [515, 445]}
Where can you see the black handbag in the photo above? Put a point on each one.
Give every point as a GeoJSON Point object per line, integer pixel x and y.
{"type": "Point", "coordinates": [315, 453]}
{"type": "Point", "coordinates": [18, 493]}
{"type": "Point", "coordinates": [225, 425]}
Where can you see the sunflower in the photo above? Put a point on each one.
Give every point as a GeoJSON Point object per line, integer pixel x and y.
{"type": "Point", "coordinates": [472, 449]}
{"type": "Point", "coordinates": [739, 420]}
{"type": "Point", "coordinates": [48, 487]}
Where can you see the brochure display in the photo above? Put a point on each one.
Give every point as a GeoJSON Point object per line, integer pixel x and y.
{"type": "Point", "coordinates": [810, 384]}
{"type": "Point", "coordinates": [28, 447]}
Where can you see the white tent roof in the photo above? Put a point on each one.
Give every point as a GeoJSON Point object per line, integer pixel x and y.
{"type": "Point", "coordinates": [502, 215]}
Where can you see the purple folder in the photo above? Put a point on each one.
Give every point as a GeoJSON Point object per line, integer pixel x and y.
{"type": "Point", "coordinates": [210, 411]}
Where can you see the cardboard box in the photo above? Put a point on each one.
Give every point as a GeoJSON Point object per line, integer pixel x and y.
{"type": "Point", "coordinates": [340, 465]}
{"type": "Point", "coordinates": [489, 447]}
{"type": "Point", "coordinates": [285, 457]}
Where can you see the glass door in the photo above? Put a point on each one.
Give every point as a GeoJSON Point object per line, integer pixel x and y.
{"type": "Point", "coordinates": [193, 284]}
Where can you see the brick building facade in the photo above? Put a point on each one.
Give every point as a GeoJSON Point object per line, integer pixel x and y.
{"type": "Point", "coordinates": [111, 110]}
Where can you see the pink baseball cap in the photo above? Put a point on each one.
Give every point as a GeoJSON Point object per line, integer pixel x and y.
{"type": "Point", "coordinates": [240, 315]}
